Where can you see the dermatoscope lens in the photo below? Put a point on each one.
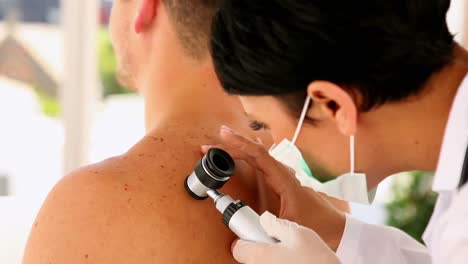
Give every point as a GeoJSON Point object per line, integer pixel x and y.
{"type": "Point", "coordinates": [211, 173]}
{"type": "Point", "coordinates": [220, 162]}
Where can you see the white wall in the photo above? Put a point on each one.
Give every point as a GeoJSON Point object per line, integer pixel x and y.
{"type": "Point", "coordinates": [79, 90]}
{"type": "Point", "coordinates": [457, 19]}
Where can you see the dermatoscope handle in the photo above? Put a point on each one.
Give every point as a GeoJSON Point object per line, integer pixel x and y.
{"type": "Point", "coordinates": [241, 219]}
{"type": "Point", "coordinates": [245, 223]}
{"type": "Point", "coordinates": [211, 173]}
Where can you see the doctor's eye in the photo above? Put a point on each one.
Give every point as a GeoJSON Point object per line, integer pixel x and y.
{"type": "Point", "coordinates": [257, 125]}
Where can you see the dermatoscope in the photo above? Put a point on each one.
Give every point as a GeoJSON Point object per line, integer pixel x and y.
{"type": "Point", "coordinates": [211, 173]}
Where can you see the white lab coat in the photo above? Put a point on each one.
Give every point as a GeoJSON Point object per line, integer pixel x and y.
{"type": "Point", "coordinates": [446, 236]}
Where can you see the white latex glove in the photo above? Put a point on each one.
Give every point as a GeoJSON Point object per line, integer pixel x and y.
{"type": "Point", "coordinates": [299, 245]}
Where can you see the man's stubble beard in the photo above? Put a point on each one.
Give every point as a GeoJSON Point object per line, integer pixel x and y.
{"type": "Point", "coordinates": [124, 75]}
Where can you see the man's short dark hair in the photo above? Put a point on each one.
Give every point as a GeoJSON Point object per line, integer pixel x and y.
{"type": "Point", "coordinates": [192, 19]}
{"type": "Point", "coordinates": [383, 49]}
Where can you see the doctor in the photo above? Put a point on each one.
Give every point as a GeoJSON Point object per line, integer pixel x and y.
{"type": "Point", "coordinates": [376, 87]}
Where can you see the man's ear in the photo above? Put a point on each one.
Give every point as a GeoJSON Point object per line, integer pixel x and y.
{"type": "Point", "coordinates": [146, 15]}
{"type": "Point", "coordinates": [332, 102]}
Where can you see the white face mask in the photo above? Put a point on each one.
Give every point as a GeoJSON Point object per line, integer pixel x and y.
{"type": "Point", "coordinates": [351, 187]}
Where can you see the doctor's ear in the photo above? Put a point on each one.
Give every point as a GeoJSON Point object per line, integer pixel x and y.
{"type": "Point", "coordinates": [333, 103]}
{"type": "Point", "coordinates": [146, 14]}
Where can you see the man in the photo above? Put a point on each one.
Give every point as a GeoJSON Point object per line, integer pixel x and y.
{"type": "Point", "coordinates": [133, 208]}
{"type": "Point", "coordinates": [384, 74]}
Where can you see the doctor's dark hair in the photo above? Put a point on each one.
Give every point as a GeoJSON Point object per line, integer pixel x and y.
{"type": "Point", "coordinates": [384, 49]}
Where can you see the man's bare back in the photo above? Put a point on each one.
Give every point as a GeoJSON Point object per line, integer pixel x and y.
{"type": "Point", "coordinates": [134, 209]}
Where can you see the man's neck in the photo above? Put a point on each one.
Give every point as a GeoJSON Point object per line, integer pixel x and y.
{"type": "Point", "coordinates": [442, 89]}
{"type": "Point", "coordinates": [190, 92]}
{"type": "Point", "coordinates": [191, 99]}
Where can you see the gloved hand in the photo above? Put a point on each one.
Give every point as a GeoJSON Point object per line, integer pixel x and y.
{"type": "Point", "coordinates": [298, 204]}
{"type": "Point", "coordinates": [299, 245]}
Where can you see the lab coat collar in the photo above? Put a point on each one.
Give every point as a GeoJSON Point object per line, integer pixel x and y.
{"type": "Point", "coordinates": [454, 144]}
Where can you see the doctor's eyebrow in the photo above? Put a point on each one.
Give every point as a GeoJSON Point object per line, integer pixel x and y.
{"type": "Point", "coordinates": [258, 125]}
{"type": "Point", "coordinates": [255, 124]}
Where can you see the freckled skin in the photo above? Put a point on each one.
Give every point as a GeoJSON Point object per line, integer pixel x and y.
{"type": "Point", "coordinates": [134, 208]}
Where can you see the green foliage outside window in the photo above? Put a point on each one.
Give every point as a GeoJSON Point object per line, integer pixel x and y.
{"type": "Point", "coordinates": [107, 64]}
{"type": "Point", "coordinates": [49, 105]}
{"type": "Point", "coordinates": [413, 203]}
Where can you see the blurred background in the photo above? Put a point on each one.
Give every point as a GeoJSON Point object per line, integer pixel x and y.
{"type": "Point", "coordinates": [61, 107]}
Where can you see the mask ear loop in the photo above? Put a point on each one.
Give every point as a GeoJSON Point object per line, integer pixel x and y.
{"type": "Point", "coordinates": [301, 119]}
{"type": "Point", "coordinates": [352, 154]}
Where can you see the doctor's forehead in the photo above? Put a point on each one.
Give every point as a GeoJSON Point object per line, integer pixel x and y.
{"type": "Point", "coordinates": [262, 108]}
{"type": "Point", "coordinates": [254, 104]}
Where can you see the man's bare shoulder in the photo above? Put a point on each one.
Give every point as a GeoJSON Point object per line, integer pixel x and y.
{"type": "Point", "coordinates": [85, 214]}
{"type": "Point", "coordinates": [128, 209]}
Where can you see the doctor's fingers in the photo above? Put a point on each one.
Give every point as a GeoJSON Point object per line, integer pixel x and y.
{"type": "Point", "coordinates": [278, 177]}
{"type": "Point", "coordinates": [240, 157]}
{"type": "Point", "coordinates": [244, 146]}
{"type": "Point", "coordinates": [252, 151]}
{"type": "Point", "coordinates": [255, 253]}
